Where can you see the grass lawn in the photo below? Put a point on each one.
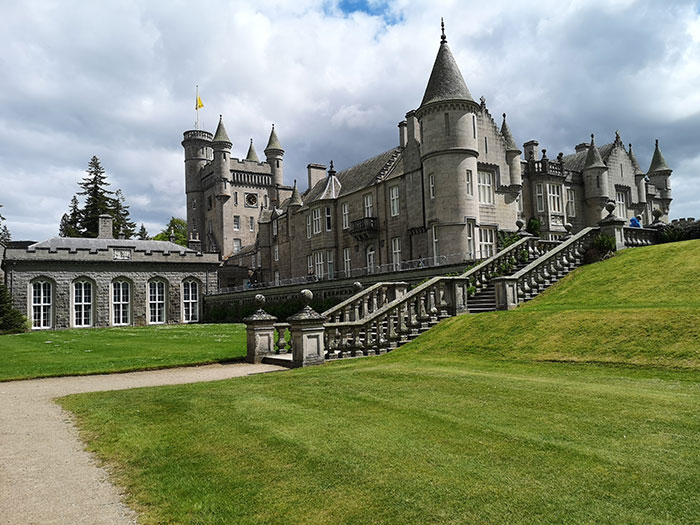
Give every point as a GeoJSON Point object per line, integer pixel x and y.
{"type": "Point", "coordinates": [103, 350]}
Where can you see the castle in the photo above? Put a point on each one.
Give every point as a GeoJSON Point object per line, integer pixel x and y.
{"type": "Point", "coordinates": [442, 195]}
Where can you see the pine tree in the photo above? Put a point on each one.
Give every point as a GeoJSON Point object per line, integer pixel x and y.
{"type": "Point", "coordinates": [4, 232]}
{"type": "Point", "coordinates": [122, 220]}
{"type": "Point", "coordinates": [142, 235]}
{"type": "Point", "coordinates": [11, 320]}
{"type": "Point", "coordinates": [70, 222]}
{"type": "Point", "coordinates": [98, 199]}
{"type": "Point", "coordinates": [179, 229]}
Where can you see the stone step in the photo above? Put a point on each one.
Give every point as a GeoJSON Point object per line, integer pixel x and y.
{"type": "Point", "coordinates": [279, 360]}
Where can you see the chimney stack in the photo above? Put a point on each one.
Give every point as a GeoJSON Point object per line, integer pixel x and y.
{"type": "Point", "coordinates": [105, 227]}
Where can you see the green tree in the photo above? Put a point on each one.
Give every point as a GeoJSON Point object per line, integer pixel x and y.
{"type": "Point", "coordinates": [142, 234]}
{"type": "Point", "coordinates": [179, 229]}
{"type": "Point", "coordinates": [70, 222]}
{"type": "Point", "coordinates": [11, 320]}
{"type": "Point", "coordinates": [122, 220]}
{"type": "Point", "coordinates": [4, 232]}
{"type": "Point", "coordinates": [98, 199]}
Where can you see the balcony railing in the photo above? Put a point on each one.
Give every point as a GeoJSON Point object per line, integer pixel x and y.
{"type": "Point", "coordinates": [363, 229]}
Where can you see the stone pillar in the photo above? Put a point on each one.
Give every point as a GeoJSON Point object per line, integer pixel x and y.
{"type": "Point", "coordinates": [613, 226]}
{"type": "Point", "coordinates": [306, 328]}
{"type": "Point", "coordinates": [506, 289]}
{"type": "Point", "coordinates": [260, 333]}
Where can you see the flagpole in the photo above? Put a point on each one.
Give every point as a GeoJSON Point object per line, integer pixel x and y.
{"type": "Point", "coordinates": [196, 107]}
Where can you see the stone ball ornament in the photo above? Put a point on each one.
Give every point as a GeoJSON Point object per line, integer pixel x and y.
{"type": "Point", "coordinates": [610, 206]}
{"type": "Point", "coordinates": [357, 286]}
{"type": "Point", "coordinates": [306, 295]}
{"type": "Point", "coordinates": [568, 227]}
{"type": "Point", "coordinates": [520, 223]}
{"type": "Point", "coordinates": [657, 213]}
{"type": "Point", "coordinates": [259, 300]}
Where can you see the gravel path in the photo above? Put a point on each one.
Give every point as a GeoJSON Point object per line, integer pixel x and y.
{"type": "Point", "coordinates": [45, 475]}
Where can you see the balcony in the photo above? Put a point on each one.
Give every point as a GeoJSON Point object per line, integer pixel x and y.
{"type": "Point", "coordinates": [364, 229]}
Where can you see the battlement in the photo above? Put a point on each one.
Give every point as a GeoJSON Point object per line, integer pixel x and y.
{"type": "Point", "coordinates": [198, 134]}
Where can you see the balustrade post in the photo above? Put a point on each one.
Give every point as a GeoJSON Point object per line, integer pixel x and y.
{"type": "Point", "coordinates": [281, 337]}
{"type": "Point", "coordinates": [260, 333]}
{"type": "Point", "coordinates": [613, 226]}
{"type": "Point", "coordinates": [506, 293]}
{"type": "Point", "coordinates": [306, 327]}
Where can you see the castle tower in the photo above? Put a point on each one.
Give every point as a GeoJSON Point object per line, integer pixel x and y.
{"type": "Point", "coordinates": [449, 153]}
{"type": "Point", "coordinates": [198, 152]}
{"type": "Point", "coordinates": [274, 155]}
{"type": "Point", "coordinates": [659, 175]}
{"type": "Point", "coordinates": [639, 178]}
{"type": "Point", "coordinates": [252, 155]}
{"type": "Point", "coordinates": [222, 162]}
{"type": "Point", "coordinates": [512, 155]}
{"type": "Point", "coordinates": [595, 180]}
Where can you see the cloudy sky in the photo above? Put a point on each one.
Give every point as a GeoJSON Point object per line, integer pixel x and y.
{"type": "Point", "coordinates": [116, 79]}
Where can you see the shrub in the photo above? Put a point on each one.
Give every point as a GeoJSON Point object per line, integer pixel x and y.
{"type": "Point", "coordinates": [602, 247]}
{"type": "Point", "coordinates": [680, 231]}
{"type": "Point", "coordinates": [533, 226]}
{"type": "Point", "coordinates": [11, 320]}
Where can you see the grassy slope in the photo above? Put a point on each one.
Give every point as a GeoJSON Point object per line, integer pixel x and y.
{"type": "Point", "coordinates": [436, 432]}
{"type": "Point", "coordinates": [99, 350]}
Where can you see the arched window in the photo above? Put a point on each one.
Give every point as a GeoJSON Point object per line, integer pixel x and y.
{"type": "Point", "coordinates": [82, 304]}
{"type": "Point", "coordinates": [190, 301]}
{"type": "Point", "coordinates": [156, 302]}
{"type": "Point", "coordinates": [42, 313]}
{"type": "Point", "coordinates": [121, 303]}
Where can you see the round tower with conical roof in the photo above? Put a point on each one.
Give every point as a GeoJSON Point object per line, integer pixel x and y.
{"type": "Point", "coordinates": [449, 153]}
{"type": "Point", "coordinates": [595, 180]}
{"type": "Point", "coordinates": [221, 146]}
{"type": "Point", "coordinates": [660, 176]}
{"type": "Point", "coordinates": [274, 155]}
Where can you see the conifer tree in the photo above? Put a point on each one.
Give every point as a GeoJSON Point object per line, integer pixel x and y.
{"type": "Point", "coordinates": [98, 199]}
{"type": "Point", "coordinates": [70, 222]}
{"type": "Point", "coordinates": [122, 221]}
{"type": "Point", "coordinates": [11, 320]}
{"type": "Point", "coordinates": [142, 235]}
{"type": "Point", "coordinates": [4, 232]}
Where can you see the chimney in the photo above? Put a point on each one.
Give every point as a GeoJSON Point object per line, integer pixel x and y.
{"type": "Point", "coordinates": [412, 127]}
{"type": "Point", "coordinates": [531, 146]}
{"type": "Point", "coordinates": [194, 243]}
{"type": "Point", "coordinates": [316, 172]}
{"type": "Point", "coordinates": [403, 133]}
{"type": "Point", "coordinates": [105, 227]}
{"type": "Point", "coordinates": [582, 147]}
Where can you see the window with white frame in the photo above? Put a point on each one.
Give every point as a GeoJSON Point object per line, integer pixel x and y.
{"type": "Point", "coordinates": [394, 200]}
{"type": "Point", "coordinates": [190, 301]}
{"type": "Point", "coordinates": [396, 253]}
{"type": "Point", "coordinates": [431, 186]}
{"type": "Point", "coordinates": [251, 224]}
{"type": "Point", "coordinates": [121, 303]}
{"type": "Point", "coordinates": [318, 260]}
{"type": "Point", "coordinates": [82, 303]}
{"type": "Point", "coordinates": [554, 193]}
{"type": "Point", "coordinates": [42, 305]}
{"type": "Point", "coordinates": [316, 215]}
{"type": "Point", "coordinates": [470, 183]}
{"type": "Point", "coordinates": [347, 262]}
{"type": "Point", "coordinates": [309, 264]}
{"type": "Point", "coordinates": [486, 187]}
{"type": "Point", "coordinates": [274, 227]}
{"type": "Point", "coordinates": [470, 239]}
{"type": "Point", "coordinates": [156, 302]}
{"type": "Point", "coordinates": [369, 205]}
{"type": "Point", "coordinates": [436, 243]}
{"type": "Point", "coordinates": [275, 252]}
{"type": "Point", "coordinates": [570, 203]}
{"type": "Point", "coordinates": [308, 226]}
{"type": "Point", "coordinates": [235, 198]}
{"type": "Point", "coordinates": [346, 215]}
{"type": "Point", "coordinates": [487, 241]}
{"type": "Point", "coordinates": [539, 192]}
{"type": "Point", "coordinates": [371, 259]}
{"type": "Point", "coordinates": [329, 220]}
{"type": "Point", "coordinates": [621, 198]}
{"type": "Point", "coordinates": [330, 262]}
{"type": "Point", "coordinates": [236, 245]}
{"type": "Point", "coordinates": [236, 223]}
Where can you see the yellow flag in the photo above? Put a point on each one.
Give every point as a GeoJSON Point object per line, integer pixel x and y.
{"type": "Point", "coordinates": [198, 104]}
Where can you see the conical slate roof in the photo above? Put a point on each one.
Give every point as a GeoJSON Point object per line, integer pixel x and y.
{"type": "Point", "coordinates": [593, 158]}
{"type": "Point", "coordinates": [252, 155]}
{"type": "Point", "coordinates": [508, 136]}
{"type": "Point", "coordinates": [635, 164]}
{"type": "Point", "coordinates": [221, 135]}
{"type": "Point", "coordinates": [446, 81]}
{"type": "Point", "coordinates": [295, 199]}
{"type": "Point", "coordinates": [658, 163]}
{"type": "Point", "coordinates": [273, 142]}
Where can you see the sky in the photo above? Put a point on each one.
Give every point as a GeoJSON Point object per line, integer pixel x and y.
{"type": "Point", "coordinates": [117, 79]}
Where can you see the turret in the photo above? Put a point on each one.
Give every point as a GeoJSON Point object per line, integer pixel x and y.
{"type": "Point", "coordinates": [198, 152]}
{"type": "Point", "coordinates": [512, 155]}
{"type": "Point", "coordinates": [595, 175]}
{"type": "Point", "coordinates": [274, 155]}
{"type": "Point", "coordinates": [295, 201]}
{"type": "Point", "coordinates": [222, 161]}
{"type": "Point", "coordinates": [659, 173]}
{"type": "Point", "coordinates": [639, 178]}
{"type": "Point", "coordinates": [252, 155]}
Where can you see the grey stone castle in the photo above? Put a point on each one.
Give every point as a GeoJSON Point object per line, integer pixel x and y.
{"type": "Point", "coordinates": [454, 181]}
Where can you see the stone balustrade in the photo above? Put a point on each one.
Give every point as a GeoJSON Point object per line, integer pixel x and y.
{"type": "Point", "coordinates": [366, 301]}
{"type": "Point", "coordinates": [635, 237]}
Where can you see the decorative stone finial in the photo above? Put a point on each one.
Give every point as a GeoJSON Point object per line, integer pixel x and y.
{"type": "Point", "coordinates": [520, 223]}
{"type": "Point", "coordinates": [592, 138]}
{"type": "Point", "coordinates": [560, 157]}
{"type": "Point", "coordinates": [306, 296]}
{"type": "Point", "coordinates": [171, 236]}
{"type": "Point", "coordinates": [610, 206]}
{"type": "Point", "coordinates": [482, 99]}
{"type": "Point", "coordinates": [357, 286]}
{"type": "Point", "coordinates": [259, 300]}
{"type": "Point", "coordinates": [657, 143]}
{"type": "Point", "coordinates": [657, 213]}
{"type": "Point", "coordinates": [443, 37]}
{"type": "Point", "coordinates": [504, 116]}
{"type": "Point", "coordinates": [568, 227]}
{"type": "Point", "coordinates": [544, 153]}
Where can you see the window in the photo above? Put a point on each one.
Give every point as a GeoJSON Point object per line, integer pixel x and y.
{"type": "Point", "coordinates": [370, 259]}
{"type": "Point", "coordinates": [235, 198]}
{"type": "Point", "coordinates": [274, 227]}
{"type": "Point", "coordinates": [431, 186]}
{"type": "Point", "coordinates": [41, 305]}
{"type": "Point", "coordinates": [470, 239]}
{"type": "Point", "coordinates": [210, 203]}
{"type": "Point", "coordinates": [394, 200]}
{"type": "Point", "coordinates": [316, 220]}
{"type": "Point", "coordinates": [369, 205]}
{"type": "Point", "coordinates": [236, 245]}
{"type": "Point", "coordinates": [308, 226]}
{"type": "Point", "coordinates": [329, 222]}
{"type": "Point", "coordinates": [519, 202]}
{"type": "Point", "coordinates": [485, 187]}
{"type": "Point", "coordinates": [251, 224]}
{"type": "Point", "coordinates": [436, 244]}
{"type": "Point", "coordinates": [190, 301]}
{"type": "Point", "coordinates": [82, 304]}
{"type": "Point", "coordinates": [310, 264]}
{"type": "Point", "coordinates": [347, 262]}
{"type": "Point", "coordinates": [554, 193]}
{"type": "Point", "coordinates": [275, 252]}
{"type": "Point", "coordinates": [570, 203]}
{"type": "Point", "coordinates": [236, 223]}
{"type": "Point", "coordinates": [621, 197]}
{"type": "Point", "coordinates": [120, 303]}
{"type": "Point", "coordinates": [539, 190]}
{"type": "Point", "coordinates": [474, 125]}
{"type": "Point", "coordinates": [318, 259]}
{"type": "Point", "coordinates": [487, 242]}
{"type": "Point", "coordinates": [396, 253]}
{"type": "Point", "coordinates": [156, 302]}
{"type": "Point", "coordinates": [194, 204]}
{"type": "Point", "coordinates": [486, 145]}
{"type": "Point", "coordinates": [447, 124]}
{"type": "Point", "coordinates": [277, 278]}
{"type": "Point", "coordinates": [330, 260]}
{"type": "Point", "coordinates": [470, 183]}
{"type": "Point", "coordinates": [346, 215]}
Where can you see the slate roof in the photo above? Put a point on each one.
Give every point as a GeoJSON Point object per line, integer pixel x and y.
{"type": "Point", "coordinates": [577, 161]}
{"type": "Point", "coordinates": [635, 164]}
{"type": "Point", "coordinates": [508, 136]}
{"type": "Point", "coordinates": [221, 135]}
{"type": "Point", "coordinates": [446, 81]}
{"type": "Point", "coordinates": [79, 243]}
{"type": "Point", "coordinates": [658, 163]}
{"type": "Point", "coordinates": [252, 154]}
{"type": "Point", "coordinates": [273, 142]}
